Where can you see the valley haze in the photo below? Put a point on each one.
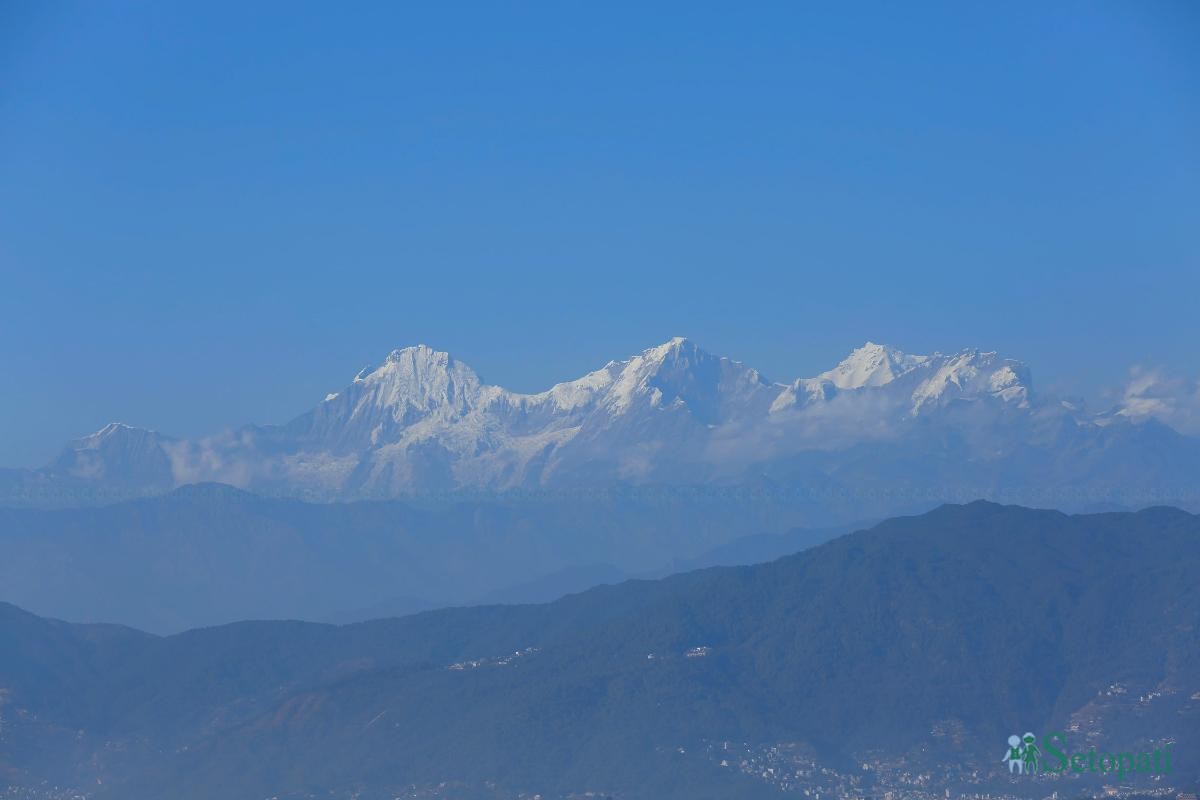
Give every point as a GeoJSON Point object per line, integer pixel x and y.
{"type": "Point", "coordinates": [890, 662]}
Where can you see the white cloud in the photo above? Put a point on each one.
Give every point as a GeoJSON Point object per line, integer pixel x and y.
{"type": "Point", "coordinates": [1154, 394]}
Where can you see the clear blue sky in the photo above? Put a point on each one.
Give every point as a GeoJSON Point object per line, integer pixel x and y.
{"type": "Point", "coordinates": [214, 213]}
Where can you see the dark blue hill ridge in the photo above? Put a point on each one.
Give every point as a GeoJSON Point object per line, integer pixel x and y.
{"type": "Point", "coordinates": [981, 619]}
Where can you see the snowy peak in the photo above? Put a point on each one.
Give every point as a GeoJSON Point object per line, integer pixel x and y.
{"type": "Point", "coordinates": [677, 348]}
{"type": "Point", "coordinates": [120, 453]}
{"type": "Point", "coordinates": [680, 375]}
{"type": "Point", "coordinates": [872, 365]}
{"type": "Point", "coordinates": [681, 358]}
{"type": "Point", "coordinates": [116, 435]}
{"type": "Point", "coordinates": [914, 384]}
{"type": "Point", "coordinates": [422, 419]}
{"type": "Point", "coordinates": [618, 384]}
{"type": "Point", "coordinates": [412, 385]}
{"type": "Point", "coordinates": [972, 374]}
{"type": "Point", "coordinates": [419, 383]}
{"type": "Point", "coordinates": [939, 379]}
{"type": "Point", "coordinates": [109, 431]}
{"type": "Point", "coordinates": [418, 379]}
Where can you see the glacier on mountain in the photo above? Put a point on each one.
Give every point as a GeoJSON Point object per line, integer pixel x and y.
{"type": "Point", "coordinates": [673, 414]}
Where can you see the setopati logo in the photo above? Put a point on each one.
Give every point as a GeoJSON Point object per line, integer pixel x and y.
{"type": "Point", "coordinates": [1023, 754]}
{"type": "Point", "coordinates": [1025, 757]}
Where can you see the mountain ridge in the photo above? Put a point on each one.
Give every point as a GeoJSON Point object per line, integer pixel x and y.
{"type": "Point", "coordinates": [674, 414]}
{"type": "Point", "coordinates": [913, 647]}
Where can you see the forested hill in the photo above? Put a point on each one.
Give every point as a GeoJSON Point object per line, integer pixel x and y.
{"type": "Point", "coordinates": [928, 639]}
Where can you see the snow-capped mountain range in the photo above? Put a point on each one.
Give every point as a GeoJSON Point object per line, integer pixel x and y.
{"type": "Point", "coordinates": [673, 414]}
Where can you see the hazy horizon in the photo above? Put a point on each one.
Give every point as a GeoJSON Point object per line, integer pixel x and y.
{"type": "Point", "coordinates": [194, 204]}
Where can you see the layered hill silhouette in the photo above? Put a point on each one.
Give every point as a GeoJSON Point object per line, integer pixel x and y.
{"type": "Point", "coordinates": [210, 554]}
{"type": "Point", "coordinates": [926, 640]}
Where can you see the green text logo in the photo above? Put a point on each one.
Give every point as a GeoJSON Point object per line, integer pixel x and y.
{"type": "Point", "coordinates": [1025, 757]}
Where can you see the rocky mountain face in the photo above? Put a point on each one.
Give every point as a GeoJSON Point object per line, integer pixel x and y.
{"type": "Point", "coordinates": [674, 415]}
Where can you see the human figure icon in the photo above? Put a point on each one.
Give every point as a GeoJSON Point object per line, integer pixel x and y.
{"type": "Point", "coordinates": [1030, 753]}
{"type": "Point", "coordinates": [1014, 756]}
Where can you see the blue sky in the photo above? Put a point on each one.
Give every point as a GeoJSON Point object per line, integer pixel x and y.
{"type": "Point", "coordinates": [215, 213]}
